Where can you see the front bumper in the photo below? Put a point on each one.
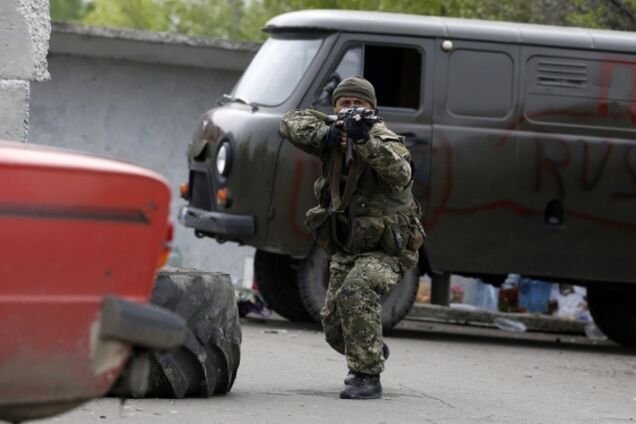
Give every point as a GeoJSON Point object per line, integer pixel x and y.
{"type": "Point", "coordinates": [217, 223]}
{"type": "Point", "coordinates": [142, 325]}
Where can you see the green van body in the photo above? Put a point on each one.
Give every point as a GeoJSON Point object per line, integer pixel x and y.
{"type": "Point", "coordinates": [523, 139]}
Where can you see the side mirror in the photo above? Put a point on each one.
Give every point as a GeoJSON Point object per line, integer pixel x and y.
{"type": "Point", "coordinates": [327, 91]}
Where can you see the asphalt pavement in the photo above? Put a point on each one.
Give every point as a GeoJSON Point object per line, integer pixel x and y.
{"type": "Point", "coordinates": [437, 373]}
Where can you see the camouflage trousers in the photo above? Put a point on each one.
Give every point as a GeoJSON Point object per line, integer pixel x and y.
{"type": "Point", "coordinates": [352, 315]}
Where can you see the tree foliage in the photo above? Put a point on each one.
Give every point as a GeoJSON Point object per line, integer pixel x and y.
{"type": "Point", "coordinates": [67, 10]}
{"type": "Point", "coordinates": [243, 19]}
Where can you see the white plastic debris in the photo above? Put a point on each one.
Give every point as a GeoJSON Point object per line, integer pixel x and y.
{"type": "Point", "coordinates": [593, 332]}
{"type": "Point", "coordinates": [511, 325]}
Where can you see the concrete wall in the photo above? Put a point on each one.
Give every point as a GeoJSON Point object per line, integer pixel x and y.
{"type": "Point", "coordinates": [138, 96]}
{"type": "Point", "coordinates": [24, 40]}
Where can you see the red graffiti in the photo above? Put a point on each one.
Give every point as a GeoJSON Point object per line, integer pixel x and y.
{"type": "Point", "coordinates": [448, 184]}
{"type": "Point", "coordinates": [553, 156]}
{"type": "Point", "coordinates": [607, 73]}
{"type": "Point", "coordinates": [297, 231]}
{"type": "Point", "coordinates": [585, 177]}
{"type": "Point", "coordinates": [551, 165]}
{"type": "Point", "coordinates": [632, 173]}
{"type": "Point", "coordinates": [300, 232]}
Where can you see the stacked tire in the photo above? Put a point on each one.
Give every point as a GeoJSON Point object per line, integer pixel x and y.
{"type": "Point", "coordinates": [207, 361]}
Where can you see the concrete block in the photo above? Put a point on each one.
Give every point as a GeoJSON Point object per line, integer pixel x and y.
{"type": "Point", "coordinates": [14, 110]}
{"type": "Point", "coordinates": [25, 28]}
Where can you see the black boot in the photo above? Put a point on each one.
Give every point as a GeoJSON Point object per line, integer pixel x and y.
{"type": "Point", "coordinates": [385, 351]}
{"type": "Point", "coordinates": [363, 386]}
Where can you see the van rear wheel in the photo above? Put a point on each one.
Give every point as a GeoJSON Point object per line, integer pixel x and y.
{"type": "Point", "coordinates": [277, 281]}
{"type": "Point", "coordinates": [313, 279]}
{"type": "Point", "coordinates": [614, 312]}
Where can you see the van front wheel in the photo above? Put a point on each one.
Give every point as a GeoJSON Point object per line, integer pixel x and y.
{"type": "Point", "coordinates": [313, 279]}
{"type": "Point", "coordinates": [614, 312]}
{"type": "Point", "coordinates": [278, 284]}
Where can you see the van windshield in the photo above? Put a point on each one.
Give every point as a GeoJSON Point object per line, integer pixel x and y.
{"type": "Point", "coordinates": [276, 70]}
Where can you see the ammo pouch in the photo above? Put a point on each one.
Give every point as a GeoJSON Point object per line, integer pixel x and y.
{"type": "Point", "coordinates": [318, 221]}
{"type": "Point", "coordinates": [378, 227]}
{"type": "Point", "coordinates": [373, 221]}
{"type": "Point", "coordinates": [389, 233]}
{"type": "Point", "coordinates": [403, 231]}
{"type": "Point", "coordinates": [365, 233]}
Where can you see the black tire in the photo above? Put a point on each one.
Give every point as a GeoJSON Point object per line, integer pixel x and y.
{"type": "Point", "coordinates": [614, 312]}
{"type": "Point", "coordinates": [313, 278]}
{"type": "Point", "coordinates": [277, 281]}
{"type": "Point", "coordinates": [207, 361]}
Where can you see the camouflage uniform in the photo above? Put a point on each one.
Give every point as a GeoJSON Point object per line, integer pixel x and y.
{"type": "Point", "coordinates": [363, 270]}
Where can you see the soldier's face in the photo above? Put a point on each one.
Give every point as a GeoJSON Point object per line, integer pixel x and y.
{"type": "Point", "coordinates": [349, 102]}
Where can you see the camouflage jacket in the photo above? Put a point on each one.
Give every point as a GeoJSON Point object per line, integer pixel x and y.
{"type": "Point", "coordinates": [385, 152]}
{"type": "Point", "coordinates": [380, 187]}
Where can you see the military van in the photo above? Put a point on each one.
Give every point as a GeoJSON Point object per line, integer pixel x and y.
{"type": "Point", "coordinates": [523, 139]}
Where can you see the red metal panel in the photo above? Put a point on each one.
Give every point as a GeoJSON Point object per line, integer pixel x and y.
{"type": "Point", "coordinates": [73, 228]}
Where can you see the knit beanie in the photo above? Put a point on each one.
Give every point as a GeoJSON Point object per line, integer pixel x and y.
{"type": "Point", "coordinates": [355, 86]}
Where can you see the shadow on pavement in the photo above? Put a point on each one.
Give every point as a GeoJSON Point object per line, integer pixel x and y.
{"type": "Point", "coordinates": [468, 334]}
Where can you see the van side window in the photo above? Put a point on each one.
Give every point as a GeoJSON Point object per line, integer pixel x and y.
{"type": "Point", "coordinates": [351, 63]}
{"type": "Point", "coordinates": [480, 84]}
{"type": "Point", "coordinates": [395, 72]}
{"type": "Point", "coordinates": [396, 75]}
{"type": "Point", "coordinates": [581, 92]}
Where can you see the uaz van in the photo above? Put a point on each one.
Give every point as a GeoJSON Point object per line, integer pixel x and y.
{"type": "Point", "coordinates": [523, 139]}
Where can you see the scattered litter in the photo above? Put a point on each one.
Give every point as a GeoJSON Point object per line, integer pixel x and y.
{"type": "Point", "coordinates": [593, 332]}
{"type": "Point", "coordinates": [457, 294]}
{"type": "Point", "coordinates": [463, 307]}
{"type": "Point", "coordinates": [173, 412]}
{"type": "Point", "coordinates": [571, 301]}
{"type": "Point", "coordinates": [250, 301]}
{"type": "Point", "coordinates": [506, 324]}
{"type": "Point", "coordinates": [274, 331]}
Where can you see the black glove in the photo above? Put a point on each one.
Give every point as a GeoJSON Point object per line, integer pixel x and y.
{"type": "Point", "coordinates": [333, 138]}
{"type": "Point", "coordinates": [358, 130]}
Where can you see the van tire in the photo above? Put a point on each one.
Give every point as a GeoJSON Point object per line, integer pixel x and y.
{"type": "Point", "coordinates": [277, 281]}
{"type": "Point", "coordinates": [207, 361]}
{"type": "Point", "coordinates": [614, 312]}
{"type": "Point", "coordinates": [313, 278]}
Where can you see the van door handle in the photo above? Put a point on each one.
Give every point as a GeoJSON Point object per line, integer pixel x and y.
{"type": "Point", "coordinates": [412, 140]}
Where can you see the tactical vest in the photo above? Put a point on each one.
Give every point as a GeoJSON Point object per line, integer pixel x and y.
{"type": "Point", "coordinates": [374, 216]}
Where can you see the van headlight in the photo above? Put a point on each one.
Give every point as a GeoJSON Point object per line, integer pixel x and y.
{"type": "Point", "coordinates": [224, 159]}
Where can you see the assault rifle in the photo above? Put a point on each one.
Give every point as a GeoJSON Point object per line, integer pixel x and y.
{"type": "Point", "coordinates": [353, 114]}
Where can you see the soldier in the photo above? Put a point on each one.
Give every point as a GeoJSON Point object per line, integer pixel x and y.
{"type": "Point", "coordinates": [366, 221]}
